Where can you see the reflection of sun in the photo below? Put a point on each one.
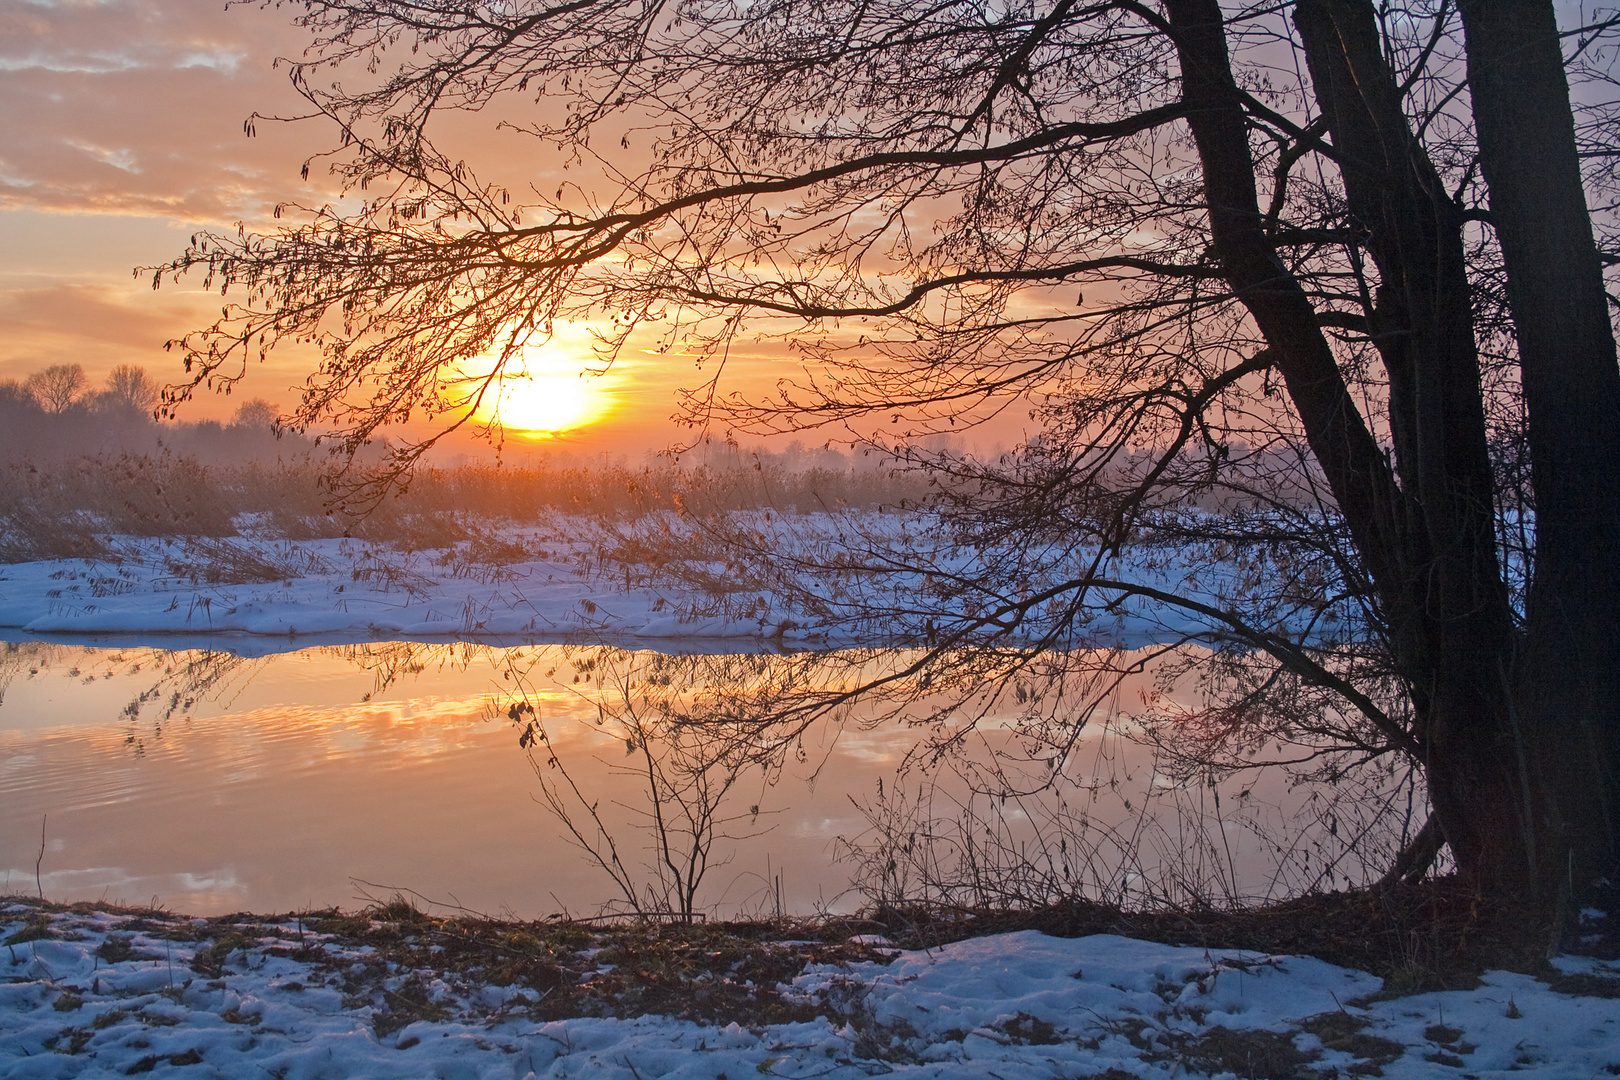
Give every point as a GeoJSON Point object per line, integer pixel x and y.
{"type": "Point", "coordinates": [545, 395]}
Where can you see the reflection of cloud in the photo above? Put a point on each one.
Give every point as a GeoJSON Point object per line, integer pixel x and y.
{"type": "Point", "coordinates": [218, 889]}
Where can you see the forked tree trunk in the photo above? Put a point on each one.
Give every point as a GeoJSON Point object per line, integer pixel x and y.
{"type": "Point", "coordinates": [1518, 730]}
{"type": "Point", "coordinates": [1451, 624]}
{"type": "Point", "coordinates": [1567, 674]}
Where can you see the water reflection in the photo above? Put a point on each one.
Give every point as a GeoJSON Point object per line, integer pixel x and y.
{"type": "Point", "coordinates": [536, 779]}
{"type": "Point", "coordinates": [216, 782]}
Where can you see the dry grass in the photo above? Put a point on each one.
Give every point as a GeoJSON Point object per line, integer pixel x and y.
{"type": "Point", "coordinates": [67, 508]}
{"type": "Point", "coordinates": [708, 973]}
{"type": "Point", "coordinates": [397, 961]}
{"type": "Point", "coordinates": [1438, 928]}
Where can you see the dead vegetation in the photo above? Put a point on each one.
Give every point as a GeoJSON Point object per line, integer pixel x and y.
{"type": "Point", "coordinates": [385, 957]}
{"type": "Point", "coordinates": [1418, 938]}
{"type": "Point", "coordinates": [69, 508]}
{"type": "Point", "coordinates": [401, 964]}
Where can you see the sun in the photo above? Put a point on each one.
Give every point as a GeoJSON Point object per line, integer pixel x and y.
{"type": "Point", "coordinates": [543, 394]}
{"type": "Point", "coordinates": [546, 404]}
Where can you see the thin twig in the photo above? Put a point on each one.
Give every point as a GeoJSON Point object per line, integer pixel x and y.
{"type": "Point", "coordinates": [38, 884]}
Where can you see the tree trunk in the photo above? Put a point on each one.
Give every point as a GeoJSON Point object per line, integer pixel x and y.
{"type": "Point", "coordinates": [1568, 670]}
{"type": "Point", "coordinates": [1453, 637]}
{"type": "Point", "coordinates": [1518, 732]}
{"type": "Point", "coordinates": [1350, 458]}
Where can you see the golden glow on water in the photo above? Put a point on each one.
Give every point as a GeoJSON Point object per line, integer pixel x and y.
{"type": "Point", "coordinates": [217, 782]}
{"type": "Point", "coordinates": [213, 782]}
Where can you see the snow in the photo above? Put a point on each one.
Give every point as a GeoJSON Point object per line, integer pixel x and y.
{"type": "Point", "coordinates": [648, 580]}
{"type": "Point", "coordinates": [346, 589]}
{"type": "Point", "coordinates": [340, 588]}
{"type": "Point", "coordinates": [89, 993]}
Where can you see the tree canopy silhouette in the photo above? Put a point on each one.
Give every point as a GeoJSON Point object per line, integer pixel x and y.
{"type": "Point", "coordinates": [57, 387]}
{"type": "Point", "coordinates": [1317, 277]}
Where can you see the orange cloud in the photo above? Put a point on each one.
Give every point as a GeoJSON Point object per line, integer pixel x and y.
{"type": "Point", "coordinates": [137, 106]}
{"type": "Point", "coordinates": [123, 133]}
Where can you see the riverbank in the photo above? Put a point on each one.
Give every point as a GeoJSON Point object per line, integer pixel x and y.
{"type": "Point", "coordinates": [93, 990]}
{"type": "Point", "coordinates": [791, 581]}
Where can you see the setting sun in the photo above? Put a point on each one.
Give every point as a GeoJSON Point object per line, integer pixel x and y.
{"type": "Point", "coordinates": [545, 394]}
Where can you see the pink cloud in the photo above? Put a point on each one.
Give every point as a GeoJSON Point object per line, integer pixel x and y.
{"type": "Point", "coordinates": [137, 107]}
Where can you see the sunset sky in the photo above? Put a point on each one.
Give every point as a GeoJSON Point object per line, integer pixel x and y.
{"type": "Point", "coordinates": [121, 133]}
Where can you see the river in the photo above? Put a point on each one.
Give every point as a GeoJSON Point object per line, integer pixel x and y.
{"type": "Point", "coordinates": [208, 781]}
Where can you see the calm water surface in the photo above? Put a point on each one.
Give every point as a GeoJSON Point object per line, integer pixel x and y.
{"type": "Point", "coordinates": [210, 782]}
{"type": "Point", "coordinates": [214, 782]}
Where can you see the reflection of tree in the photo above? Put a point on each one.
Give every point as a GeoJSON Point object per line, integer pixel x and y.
{"type": "Point", "coordinates": [1033, 776]}
{"type": "Point", "coordinates": [1126, 826]}
{"type": "Point", "coordinates": [173, 682]}
{"type": "Point", "coordinates": [186, 678]}
{"type": "Point", "coordinates": [393, 661]}
{"type": "Point", "coordinates": [687, 762]}
{"type": "Point", "coordinates": [19, 657]}
{"type": "Point", "coordinates": [684, 757]}
{"type": "Point", "coordinates": [1019, 779]}
{"type": "Point", "coordinates": [1004, 610]}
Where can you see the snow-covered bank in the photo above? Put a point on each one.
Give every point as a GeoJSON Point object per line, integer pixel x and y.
{"type": "Point", "coordinates": [573, 577]}
{"type": "Point", "coordinates": [113, 993]}
{"type": "Point", "coordinates": [347, 590]}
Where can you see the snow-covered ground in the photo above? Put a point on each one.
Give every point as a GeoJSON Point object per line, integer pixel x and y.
{"type": "Point", "coordinates": [657, 579]}
{"type": "Point", "coordinates": [347, 589]}
{"type": "Point", "coordinates": [115, 993]}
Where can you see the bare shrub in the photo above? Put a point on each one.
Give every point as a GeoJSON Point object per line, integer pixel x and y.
{"type": "Point", "coordinates": [689, 763]}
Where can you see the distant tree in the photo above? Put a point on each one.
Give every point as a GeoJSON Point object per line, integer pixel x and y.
{"type": "Point", "coordinates": [256, 414]}
{"type": "Point", "coordinates": [1327, 266]}
{"type": "Point", "coordinates": [57, 387]}
{"type": "Point", "coordinates": [14, 395]}
{"type": "Point", "coordinates": [130, 389]}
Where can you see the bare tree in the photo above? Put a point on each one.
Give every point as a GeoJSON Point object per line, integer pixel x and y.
{"type": "Point", "coordinates": [687, 769]}
{"type": "Point", "coordinates": [57, 387]}
{"type": "Point", "coordinates": [1306, 265]}
{"type": "Point", "coordinates": [256, 414]}
{"type": "Point", "coordinates": [131, 389]}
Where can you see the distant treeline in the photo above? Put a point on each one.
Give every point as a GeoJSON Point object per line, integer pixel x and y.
{"type": "Point", "coordinates": [55, 414]}
{"type": "Point", "coordinates": [65, 507]}
{"type": "Point", "coordinates": [79, 463]}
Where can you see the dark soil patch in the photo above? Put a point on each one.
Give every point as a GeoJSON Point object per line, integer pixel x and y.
{"type": "Point", "coordinates": [704, 972]}
{"type": "Point", "coordinates": [1342, 1031]}
{"type": "Point", "coordinates": [1269, 1054]}
{"type": "Point", "coordinates": [1583, 985]}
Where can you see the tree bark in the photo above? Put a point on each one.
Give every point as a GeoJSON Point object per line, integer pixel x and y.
{"type": "Point", "coordinates": [1350, 458]}
{"type": "Point", "coordinates": [1520, 749]}
{"type": "Point", "coordinates": [1567, 674]}
{"type": "Point", "coordinates": [1453, 639]}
